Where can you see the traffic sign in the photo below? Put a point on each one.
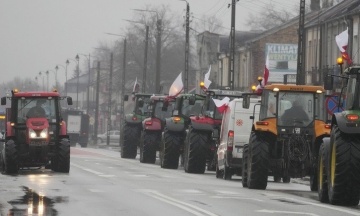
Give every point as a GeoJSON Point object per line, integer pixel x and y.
{"type": "Point", "coordinates": [332, 103]}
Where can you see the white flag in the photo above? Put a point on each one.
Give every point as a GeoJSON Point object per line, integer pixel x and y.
{"type": "Point", "coordinates": [136, 86]}
{"type": "Point", "coordinates": [176, 87]}
{"type": "Point", "coordinates": [207, 82]}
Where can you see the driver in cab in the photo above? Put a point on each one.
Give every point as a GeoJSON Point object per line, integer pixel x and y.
{"type": "Point", "coordinates": [295, 112]}
{"type": "Point", "coordinates": [37, 111]}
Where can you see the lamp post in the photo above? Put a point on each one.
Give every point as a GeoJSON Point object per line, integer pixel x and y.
{"type": "Point", "coordinates": [145, 53]}
{"type": "Point", "coordinates": [37, 84]}
{"type": "Point", "coordinates": [66, 79]}
{"type": "Point", "coordinates": [47, 80]}
{"type": "Point", "coordinates": [158, 49]}
{"type": "Point", "coordinates": [40, 74]}
{"type": "Point", "coordinates": [122, 114]}
{"type": "Point", "coordinates": [186, 87]}
{"type": "Point", "coordinates": [65, 67]}
{"type": "Point", "coordinates": [88, 87]}
{"type": "Point", "coordinates": [77, 81]}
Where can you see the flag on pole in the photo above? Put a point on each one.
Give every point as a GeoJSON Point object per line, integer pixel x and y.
{"type": "Point", "coordinates": [207, 82]}
{"type": "Point", "coordinates": [342, 41]}
{"type": "Point", "coordinates": [176, 87]}
{"type": "Point", "coordinates": [221, 104]}
{"type": "Point", "coordinates": [136, 86]}
{"type": "Point", "coordinates": [265, 76]}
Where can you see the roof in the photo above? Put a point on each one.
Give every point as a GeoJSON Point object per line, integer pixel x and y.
{"type": "Point", "coordinates": [287, 87]}
{"type": "Point", "coordinates": [240, 39]}
{"type": "Point", "coordinates": [36, 94]}
{"type": "Point", "coordinates": [341, 10]}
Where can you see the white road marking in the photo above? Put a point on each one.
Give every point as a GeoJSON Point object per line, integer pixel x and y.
{"type": "Point", "coordinates": [234, 197]}
{"type": "Point", "coordinates": [285, 212]}
{"type": "Point", "coordinates": [96, 191]}
{"type": "Point", "coordinates": [86, 169]}
{"type": "Point", "coordinates": [328, 207]}
{"type": "Point", "coordinates": [183, 205]}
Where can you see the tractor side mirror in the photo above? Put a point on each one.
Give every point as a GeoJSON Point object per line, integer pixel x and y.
{"type": "Point", "coordinates": [246, 101]}
{"type": "Point", "coordinates": [69, 101]}
{"type": "Point", "coordinates": [126, 97]}
{"type": "Point", "coordinates": [3, 101]}
{"type": "Point", "coordinates": [192, 100]}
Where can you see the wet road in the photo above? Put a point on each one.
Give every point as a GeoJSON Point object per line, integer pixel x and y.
{"type": "Point", "coordinates": [101, 183]}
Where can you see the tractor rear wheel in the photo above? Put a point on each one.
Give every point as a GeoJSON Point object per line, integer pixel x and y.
{"type": "Point", "coordinates": [195, 151]}
{"type": "Point", "coordinates": [61, 161]}
{"type": "Point", "coordinates": [128, 147]}
{"type": "Point", "coordinates": [258, 163]}
{"type": "Point", "coordinates": [170, 149]}
{"type": "Point", "coordinates": [343, 169]}
{"type": "Point", "coordinates": [244, 166]}
{"type": "Point", "coordinates": [148, 146]}
{"type": "Point", "coordinates": [10, 158]}
{"type": "Point", "coordinates": [321, 176]}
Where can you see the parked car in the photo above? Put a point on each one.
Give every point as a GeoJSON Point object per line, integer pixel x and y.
{"type": "Point", "coordinates": [114, 136]}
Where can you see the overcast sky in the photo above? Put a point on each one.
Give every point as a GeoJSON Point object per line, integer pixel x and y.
{"type": "Point", "coordinates": [36, 35]}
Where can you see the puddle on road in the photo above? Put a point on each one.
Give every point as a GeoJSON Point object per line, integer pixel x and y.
{"type": "Point", "coordinates": [33, 203]}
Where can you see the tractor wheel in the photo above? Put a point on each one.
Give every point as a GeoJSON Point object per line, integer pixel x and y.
{"type": "Point", "coordinates": [148, 146]}
{"type": "Point", "coordinates": [195, 151]}
{"type": "Point", "coordinates": [342, 172]}
{"type": "Point", "coordinates": [170, 150]}
{"type": "Point", "coordinates": [227, 173]}
{"type": "Point", "coordinates": [244, 165]}
{"type": "Point", "coordinates": [277, 178]}
{"type": "Point", "coordinates": [286, 179]}
{"type": "Point", "coordinates": [61, 161]}
{"type": "Point", "coordinates": [128, 147]}
{"type": "Point", "coordinates": [321, 176]}
{"type": "Point", "coordinates": [10, 158]}
{"type": "Point", "coordinates": [258, 161]}
{"type": "Point", "coordinates": [218, 173]}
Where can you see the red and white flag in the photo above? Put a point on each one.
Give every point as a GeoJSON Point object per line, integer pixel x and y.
{"type": "Point", "coordinates": [221, 104]}
{"type": "Point", "coordinates": [207, 82]}
{"type": "Point", "coordinates": [265, 76]}
{"type": "Point", "coordinates": [342, 41]}
{"type": "Point", "coordinates": [176, 87]}
{"type": "Point", "coordinates": [136, 86]}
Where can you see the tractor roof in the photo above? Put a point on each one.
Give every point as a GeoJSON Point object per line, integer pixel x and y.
{"type": "Point", "coordinates": [17, 93]}
{"type": "Point", "coordinates": [300, 88]}
{"type": "Point", "coordinates": [353, 70]}
{"type": "Point", "coordinates": [219, 92]}
{"type": "Point", "coordinates": [161, 98]}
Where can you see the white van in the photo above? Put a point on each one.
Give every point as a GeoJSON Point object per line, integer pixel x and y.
{"type": "Point", "coordinates": [235, 133]}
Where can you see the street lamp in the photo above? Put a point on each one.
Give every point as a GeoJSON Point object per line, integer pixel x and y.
{"type": "Point", "coordinates": [88, 87]}
{"type": "Point", "coordinates": [158, 49]}
{"type": "Point", "coordinates": [47, 80]}
{"type": "Point", "coordinates": [40, 74]}
{"type": "Point", "coordinates": [122, 115]}
{"type": "Point", "coordinates": [77, 82]}
{"type": "Point", "coordinates": [57, 67]}
{"type": "Point", "coordinates": [145, 53]}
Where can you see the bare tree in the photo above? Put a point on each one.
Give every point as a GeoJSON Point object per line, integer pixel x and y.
{"type": "Point", "coordinates": [208, 23]}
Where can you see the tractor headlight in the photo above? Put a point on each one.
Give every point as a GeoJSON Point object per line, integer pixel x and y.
{"type": "Point", "coordinates": [32, 133]}
{"type": "Point", "coordinates": [44, 133]}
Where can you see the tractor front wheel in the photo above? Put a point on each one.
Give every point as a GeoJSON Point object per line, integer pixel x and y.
{"type": "Point", "coordinates": [10, 158]}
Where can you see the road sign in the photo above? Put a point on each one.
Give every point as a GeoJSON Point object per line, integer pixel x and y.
{"type": "Point", "coordinates": [332, 103]}
{"type": "Point", "coordinates": [92, 121]}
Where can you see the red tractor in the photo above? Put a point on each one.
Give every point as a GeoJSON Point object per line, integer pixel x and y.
{"type": "Point", "coordinates": [203, 133]}
{"type": "Point", "coordinates": [161, 107]}
{"type": "Point", "coordinates": [35, 133]}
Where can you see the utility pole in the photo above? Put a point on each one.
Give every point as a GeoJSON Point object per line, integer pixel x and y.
{"type": "Point", "coordinates": [97, 102]}
{"type": "Point", "coordinates": [158, 56]}
{"type": "Point", "coordinates": [109, 100]}
{"type": "Point", "coordinates": [300, 75]}
{"type": "Point", "coordinates": [232, 45]}
{"type": "Point", "coordinates": [122, 114]}
{"type": "Point", "coordinates": [145, 59]}
{"type": "Point", "coordinates": [88, 89]}
{"type": "Point", "coordinates": [186, 88]}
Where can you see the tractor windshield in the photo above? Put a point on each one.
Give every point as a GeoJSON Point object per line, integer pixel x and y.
{"type": "Point", "coordinates": [295, 108]}
{"type": "Point", "coordinates": [191, 110]}
{"type": "Point", "coordinates": [162, 114]}
{"type": "Point", "coordinates": [36, 108]}
{"type": "Point", "coordinates": [142, 105]}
